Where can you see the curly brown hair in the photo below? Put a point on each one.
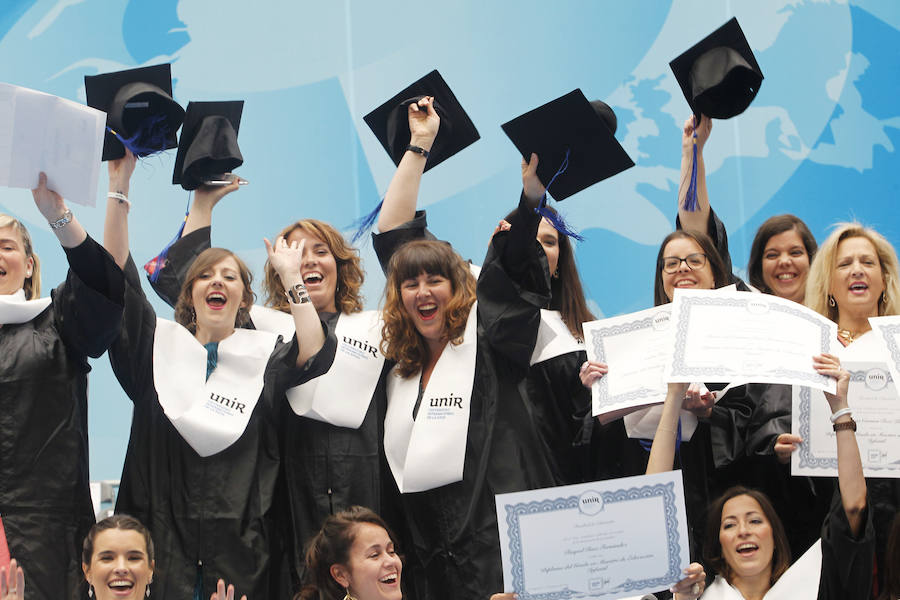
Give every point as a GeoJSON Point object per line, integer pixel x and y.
{"type": "Point", "coordinates": [401, 341]}
{"type": "Point", "coordinates": [347, 297]}
{"type": "Point", "coordinates": [184, 306]}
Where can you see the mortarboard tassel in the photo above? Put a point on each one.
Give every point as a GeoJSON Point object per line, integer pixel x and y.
{"type": "Point", "coordinates": [155, 265]}
{"type": "Point", "coordinates": [365, 223]}
{"type": "Point", "coordinates": [690, 198]}
{"type": "Point", "coordinates": [556, 219]}
{"type": "Point", "coordinates": [149, 139]}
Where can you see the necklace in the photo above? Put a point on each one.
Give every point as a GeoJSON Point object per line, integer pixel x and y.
{"type": "Point", "coordinates": [846, 336]}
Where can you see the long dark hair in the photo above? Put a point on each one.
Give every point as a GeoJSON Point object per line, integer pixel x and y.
{"type": "Point", "coordinates": [892, 563]}
{"type": "Point", "coordinates": [567, 293]}
{"type": "Point", "coordinates": [720, 275]}
{"type": "Point", "coordinates": [712, 547]}
{"type": "Point", "coordinates": [331, 546]}
{"type": "Point", "coordinates": [770, 228]}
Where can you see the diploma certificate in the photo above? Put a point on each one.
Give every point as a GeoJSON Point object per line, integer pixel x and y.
{"type": "Point", "coordinates": [635, 346]}
{"type": "Point", "coordinates": [887, 333]}
{"type": "Point", "coordinates": [749, 337]}
{"type": "Point", "coordinates": [876, 410]}
{"type": "Point", "coordinates": [605, 539]}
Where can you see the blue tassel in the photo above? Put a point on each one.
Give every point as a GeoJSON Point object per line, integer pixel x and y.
{"type": "Point", "coordinates": [149, 139]}
{"type": "Point", "coordinates": [365, 223]}
{"type": "Point", "coordinates": [556, 219]}
{"type": "Point", "coordinates": [154, 266]}
{"type": "Point", "coordinates": [690, 199]}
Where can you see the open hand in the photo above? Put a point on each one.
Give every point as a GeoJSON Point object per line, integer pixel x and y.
{"type": "Point", "coordinates": [222, 593]}
{"type": "Point", "coordinates": [12, 582]}
{"type": "Point", "coordinates": [286, 258]}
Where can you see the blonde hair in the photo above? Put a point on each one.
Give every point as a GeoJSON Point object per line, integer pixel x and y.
{"type": "Point", "coordinates": [821, 271]}
{"type": "Point", "coordinates": [32, 285]}
{"type": "Point", "coordinates": [347, 298]}
{"type": "Point", "coordinates": [401, 341]}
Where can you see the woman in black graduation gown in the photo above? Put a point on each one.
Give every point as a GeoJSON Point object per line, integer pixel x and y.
{"type": "Point", "coordinates": [457, 428]}
{"type": "Point", "coordinates": [780, 256]}
{"type": "Point", "coordinates": [742, 517]}
{"type": "Point", "coordinates": [45, 500]}
{"type": "Point", "coordinates": [330, 461]}
{"type": "Point", "coordinates": [204, 453]}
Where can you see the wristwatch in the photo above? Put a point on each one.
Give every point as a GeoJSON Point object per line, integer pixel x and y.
{"type": "Point", "coordinates": [297, 294]}
{"type": "Point", "coordinates": [851, 425]}
{"type": "Point", "coordinates": [419, 150]}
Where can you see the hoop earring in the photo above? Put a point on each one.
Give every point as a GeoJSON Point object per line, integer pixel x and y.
{"type": "Point", "coordinates": [831, 301]}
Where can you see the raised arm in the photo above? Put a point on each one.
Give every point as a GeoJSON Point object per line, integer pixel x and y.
{"type": "Point", "coordinates": [68, 230]}
{"type": "Point", "coordinates": [662, 452]}
{"type": "Point", "coordinates": [205, 199]}
{"type": "Point", "coordinates": [115, 228]}
{"type": "Point", "coordinates": [695, 220]}
{"type": "Point", "coordinates": [851, 481]}
{"type": "Point", "coordinates": [402, 194]}
{"type": "Point", "coordinates": [286, 259]}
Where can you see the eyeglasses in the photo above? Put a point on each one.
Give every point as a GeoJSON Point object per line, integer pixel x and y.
{"type": "Point", "coordinates": [695, 261]}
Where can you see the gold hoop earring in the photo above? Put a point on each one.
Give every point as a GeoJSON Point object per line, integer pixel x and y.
{"type": "Point", "coordinates": [831, 301]}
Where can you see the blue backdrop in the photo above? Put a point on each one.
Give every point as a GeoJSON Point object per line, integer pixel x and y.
{"type": "Point", "coordinates": [819, 140]}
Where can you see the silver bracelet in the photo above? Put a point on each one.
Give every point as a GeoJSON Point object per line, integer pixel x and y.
{"type": "Point", "coordinates": [840, 413]}
{"type": "Point", "coordinates": [297, 294]}
{"type": "Point", "coordinates": [61, 222]}
{"type": "Point", "coordinates": [122, 198]}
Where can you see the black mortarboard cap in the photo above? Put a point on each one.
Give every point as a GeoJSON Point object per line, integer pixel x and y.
{"type": "Point", "coordinates": [136, 101]}
{"type": "Point", "coordinates": [585, 129]}
{"type": "Point", "coordinates": [389, 122]}
{"type": "Point", "coordinates": [208, 144]}
{"type": "Point", "coordinates": [719, 75]}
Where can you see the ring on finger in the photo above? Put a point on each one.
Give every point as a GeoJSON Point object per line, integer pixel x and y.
{"type": "Point", "coordinates": [695, 589]}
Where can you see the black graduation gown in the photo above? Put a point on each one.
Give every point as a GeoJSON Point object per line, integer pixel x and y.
{"type": "Point", "coordinates": [453, 529]}
{"type": "Point", "coordinates": [846, 560]}
{"type": "Point", "coordinates": [326, 468]}
{"type": "Point", "coordinates": [214, 511]}
{"type": "Point", "coordinates": [45, 498]}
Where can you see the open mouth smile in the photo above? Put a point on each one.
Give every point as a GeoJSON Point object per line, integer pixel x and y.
{"type": "Point", "coordinates": [216, 300]}
{"type": "Point", "coordinates": [427, 311]}
{"type": "Point", "coordinates": [313, 278]}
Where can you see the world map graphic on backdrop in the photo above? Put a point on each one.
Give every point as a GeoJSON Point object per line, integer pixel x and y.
{"type": "Point", "coordinates": [819, 140]}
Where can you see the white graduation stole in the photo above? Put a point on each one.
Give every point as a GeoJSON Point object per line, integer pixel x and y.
{"type": "Point", "coordinates": [430, 451]}
{"type": "Point", "coordinates": [553, 338]}
{"type": "Point", "coordinates": [273, 321]}
{"type": "Point", "coordinates": [800, 582]}
{"type": "Point", "coordinates": [15, 309]}
{"type": "Point", "coordinates": [342, 395]}
{"type": "Point", "coordinates": [209, 414]}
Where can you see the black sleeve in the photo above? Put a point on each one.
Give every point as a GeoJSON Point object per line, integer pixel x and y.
{"type": "Point", "coordinates": [728, 426]}
{"type": "Point", "coordinates": [88, 305]}
{"type": "Point", "coordinates": [847, 560]}
{"type": "Point", "coordinates": [179, 259]}
{"type": "Point", "coordinates": [388, 242]}
{"type": "Point", "coordinates": [282, 371]}
{"type": "Point", "coordinates": [715, 229]}
{"type": "Point", "coordinates": [131, 355]}
{"type": "Point", "coordinates": [771, 417]}
{"type": "Point", "coordinates": [518, 251]}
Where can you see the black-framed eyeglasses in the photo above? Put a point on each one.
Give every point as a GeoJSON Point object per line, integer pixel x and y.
{"type": "Point", "coordinates": [694, 261]}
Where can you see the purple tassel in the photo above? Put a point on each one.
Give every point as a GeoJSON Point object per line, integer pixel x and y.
{"type": "Point", "coordinates": [556, 219]}
{"type": "Point", "coordinates": [690, 199]}
{"type": "Point", "coordinates": [155, 265]}
{"type": "Point", "coordinates": [149, 139]}
{"type": "Point", "coordinates": [365, 223]}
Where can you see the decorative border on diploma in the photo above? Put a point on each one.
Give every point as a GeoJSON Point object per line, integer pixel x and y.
{"type": "Point", "coordinates": [678, 366]}
{"type": "Point", "coordinates": [600, 354]}
{"type": "Point", "coordinates": [805, 455]}
{"type": "Point", "coordinates": [889, 333]}
{"type": "Point", "coordinates": [665, 490]}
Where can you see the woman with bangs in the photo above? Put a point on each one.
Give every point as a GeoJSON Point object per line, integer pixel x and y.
{"type": "Point", "coordinates": [331, 449]}
{"type": "Point", "coordinates": [45, 499]}
{"type": "Point", "coordinates": [855, 276]}
{"type": "Point", "coordinates": [203, 458]}
{"type": "Point", "coordinates": [458, 426]}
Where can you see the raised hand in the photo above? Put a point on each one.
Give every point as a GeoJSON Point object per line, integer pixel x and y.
{"type": "Point", "coordinates": [12, 582]}
{"type": "Point", "coordinates": [120, 171]}
{"type": "Point", "coordinates": [829, 364]}
{"type": "Point", "coordinates": [285, 259]}
{"type": "Point", "coordinates": [703, 129]}
{"type": "Point", "coordinates": [424, 123]}
{"type": "Point", "coordinates": [533, 188]}
{"type": "Point", "coordinates": [222, 593]}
